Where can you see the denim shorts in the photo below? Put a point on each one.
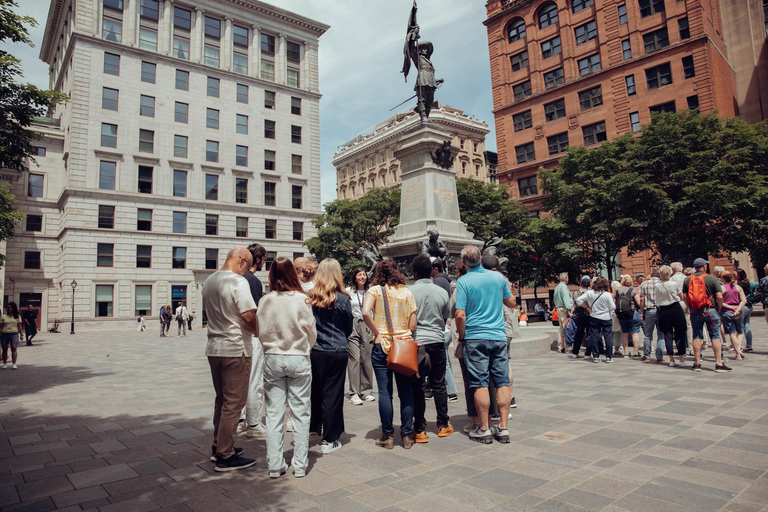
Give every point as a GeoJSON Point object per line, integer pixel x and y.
{"type": "Point", "coordinates": [632, 325]}
{"type": "Point", "coordinates": [486, 360]}
{"type": "Point", "coordinates": [7, 338]}
{"type": "Point", "coordinates": [708, 317]}
{"type": "Point", "coordinates": [733, 325]}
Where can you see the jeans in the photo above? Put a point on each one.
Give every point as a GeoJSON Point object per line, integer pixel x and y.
{"type": "Point", "coordinates": [254, 407]}
{"type": "Point", "coordinates": [432, 365]}
{"type": "Point", "coordinates": [182, 327]}
{"type": "Point", "coordinates": [487, 361]}
{"type": "Point", "coordinates": [450, 382]}
{"type": "Point", "coordinates": [731, 324]}
{"type": "Point", "coordinates": [709, 317]}
{"type": "Point", "coordinates": [600, 330]}
{"type": "Point", "coordinates": [746, 315]}
{"type": "Point", "coordinates": [651, 324]}
{"type": "Point", "coordinates": [287, 379]}
{"type": "Point", "coordinates": [582, 325]}
{"type": "Point", "coordinates": [384, 378]}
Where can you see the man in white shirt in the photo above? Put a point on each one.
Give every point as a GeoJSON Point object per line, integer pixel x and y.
{"type": "Point", "coordinates": [232, 323]}
{"type": "Point", "coordinates": [181, 319]}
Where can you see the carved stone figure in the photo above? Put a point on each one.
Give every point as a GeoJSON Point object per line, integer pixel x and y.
{"type": "Point", "coordinates": [444, 155]}
{"type": "Point", "coordinates": [434, 247]}
{"type": "Point", "coordinates": [370, 255]}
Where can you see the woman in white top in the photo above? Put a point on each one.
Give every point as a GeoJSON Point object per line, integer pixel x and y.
{"type": "Point", "coordinates": [599, 303]}
{"type": "Point", "coordinates": [287, 333]}
{"type": "Point", "coordinates": [360, 343]}
{"type": "Point", "coordinates": [672, 324]}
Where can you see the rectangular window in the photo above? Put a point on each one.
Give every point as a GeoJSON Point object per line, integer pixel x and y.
{"type": "Point", "coordinates": [296, 134]}
{"type": "Point", "coordinates": [211, 259]}
{"type": "Point", "coordinates": [589, 64]}
{"type": "Point", "coordinates": [180, 146]}
{"type": "Point", "coordinates": [212, 28]}
{"type": "Point", "coordinates": [143, 299]}
{"type": "Point", "coordinates": [179, 257]}
{"type": "Point", "coordinates": [148, 39]}
{"type": "Point", "coordinates": [270, 193]}
{"type": "Point", "coordinates": [212, 118]}
{"type": "Point", "coordinates": [522, 90]}
{"type": "Point", "coordinates": [658, 76]}
{"type": "Point", "coordinates": [269, 129]}
{"type": "Point", "coordinates": [211, 151]}
{"type": "Point", "coordinates": [294, 52]}
{"type": "Point", "coordinates": [241, 124]}
{"type": "Point", "coordinates": [145, 179]}
{"type": "Point", "coordinates": [685, 30]}
{"type": "Point", "coordinates": [550, 48]}
{"type": "Point", "coordinates": [212, 187]}
{"type": "Point", "coordinates": [519, 60]}
{"type": "Point", "coordinates": [554, 110]}
{"type": "Point", "coordinates": [525, 153]}
{"type": "Point", "coordinates": [105, 255]}
{"type": "Point", "coordinates": [179, 222]}
{"type": "Point", "coordinates": [296, 164]}
{"type": "Point", "coordinates": [269, 100]}
{"type": "Point", "coordinates": [108, 135]}
{"type": "Point", "coordinates": [147, 106]}
{"type": "Point", "coordinates": [296, 193]}
{"type": "Point", "coordinates": [179, 183]}
{"type": "Point", "coordinates": [111, 64]}
{"type": "Point", "coordinates": [267, 44]}
{"type": "Point", "coordinates": [578, 5]}
{"type": "Point", "coordinates": [146, 141]}
{"type": "Point", "coordinates": [36, 185]}
{"type": "Point", "coordinates": [267, 71]}
{"type": "Point", "coordinates": [241, 190]}
{"type": "Point", "coordinates": [294, 78]}
{"type": "Point", "coordinates": [182, 19]}
{"type": "Point", "coordinates": [211, 56]}
{"type": "Point", "coordinates": [626, 49]}
{"type": "Point", "coordinates": [107, 173]}
{"type": "Point", "coordinates": [634, 121]}
{"type": "Point", "coordinates": [650, 7]}
{"type": "Point", "coordinates": [296, 106]}
{"type": "Point", "coordinates": [623, 14]}
{"type": "Point", "coordinates": [106, 217]}
{"type": "Point", "coordinates": [35, 222]}
{"type": "Point", "coordinates": [104, 299]}
{"type": "Point", "coordinates": [269, 160]}
{"type": "Point", "coordinates": [241, 156]}
{"type": "Point", "coordinates": [211, 224]}
{"type": "Point", "coordinates": [664, 108]}
{"type": "Point", "coordinates": [32, 259]}
{"type": "Point", "coordinates": [181, 113]}
{"type": "Point", "coordinates": [148, 72]}
{"type": "Point", "coordinates": [182, 80]}
{"type": "Point", "coordinates": [655, 40]}
{"type": "Point", "coordinates": [585, 32]}
{"type": "Point", "coordinates": [591, 98]}
{"type": "Point", "coordinates": [109, 98]}
{"type": "Point", "coordinates": [144, 220]}
{"type": "Point", "coordinates": [557, 143]}
{"type": "Point", "coordinates": [689, 71]}
{"type": "Point", "coordinates": [271, 257]}
{"type": "Point", "coordinates": [112, 29]}
{"type": "Point", "coordinates": [528, 186]}
{"type": "Point", "coordinates": [522, 121]}
{"type": "Point", "coordinates": [38, 151]}
{"type": "Point", "coordinates": [554, 78]}
{"type": "Point", "coordinates": [630, 81]}
{"type": "Point", "coordinates": [270, 229]}
{"type": "Point", "coordinates": [240, 36]}
{"type": "Point", "coordinates": [594, 133]}
{"type": "Point", "coordinates": [181, 47]}
{"type": "Point", "coordinates": [213, 87]}
{"type": "Point", "coordinates": [242, 93]}
{"type": "Point", "coordinates": [241, 227]}
{"type": "Point", "coordinates": [298, 231]}
{"type": "Point", "coordinates": [693, 101]}
{"type": "Point", "coordinates": [149, 10]}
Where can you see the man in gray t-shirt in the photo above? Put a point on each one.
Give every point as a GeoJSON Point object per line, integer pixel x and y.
{"type": "Point", "coordinates": [433, 309]}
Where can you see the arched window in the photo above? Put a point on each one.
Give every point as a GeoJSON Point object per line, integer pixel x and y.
{"type": "Point", "coordinates": [516, 30]}
{"type": "Point", "coordinates": [578, 5]}
{"type": "Point", "coordinates": [547, 15]}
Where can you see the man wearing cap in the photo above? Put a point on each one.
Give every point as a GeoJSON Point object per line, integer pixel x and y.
{"type": "Point", "coordinates": [707, 315]}
{"type": "Point", "coordinates": [581, 317]}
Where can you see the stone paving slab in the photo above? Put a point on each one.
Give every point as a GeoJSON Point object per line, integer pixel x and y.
{"type": "Point", "coordinates": [122, 423]}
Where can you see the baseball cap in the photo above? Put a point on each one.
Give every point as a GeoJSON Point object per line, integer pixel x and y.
{"type": "Point", "coordinates": [700, 262]}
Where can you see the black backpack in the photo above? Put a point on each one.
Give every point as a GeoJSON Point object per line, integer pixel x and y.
{"type": "Point", "coordinates": [625, 307]}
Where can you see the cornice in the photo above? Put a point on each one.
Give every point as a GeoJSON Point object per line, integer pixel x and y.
{"type": "Point", "coordinates": [512, 5]}
{"type": "Point", "coordinates": [281, 15]}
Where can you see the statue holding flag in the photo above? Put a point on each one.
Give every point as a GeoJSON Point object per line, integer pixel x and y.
{"type": "Point", "coordinates": [419, 53]}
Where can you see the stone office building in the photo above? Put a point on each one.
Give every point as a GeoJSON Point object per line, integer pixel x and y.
{"type": "Point", "coordinates": [192, 127]}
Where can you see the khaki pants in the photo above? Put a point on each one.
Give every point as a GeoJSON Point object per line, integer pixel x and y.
{"type": "Point", "coordinates": [230, 380]}
{"type": "Point", "coordinates": [562, 313]}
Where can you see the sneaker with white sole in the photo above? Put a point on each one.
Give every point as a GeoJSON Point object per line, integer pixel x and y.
{"type": "Point", "coordinates": [469, 427]}
{"type": "Point", "coordinates": [481, 436]}
{"type": "Point", "coordinates": [500, 435]}
{"type": "Point", "coordinates": [14, 366]}
{"type": "Point", "coordinates": [355, 400]}
{"type": "Point", "coordinates": [238, 452]}
{"type": "Point", "coordinates": [327, 447]}
{"type": "Point", "coordinates": [233, 463]}
{"type": "Point", "coordinates": [5, 366]}
{"type": "Point", "coordinates": [369, 398]}
{"type": "Point", "coordinates": [299, 473]}
{"type": "Point", "coordinates": [277, 473]}
{"type": "Point", "coordinates": [596, 360]}
{"type": "Point", "coordinates": [257, 432]}
{"type": "Point", "coordinates": [513, 403]}
{"type": "Point", "coordinates": [609, 360]}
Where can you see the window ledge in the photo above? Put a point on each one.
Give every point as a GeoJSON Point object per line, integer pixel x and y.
{"type": "Point", "coordinates": [143, 160]}
{"type": "Point", "coordinates": [112, 156]}
{"type": "Point", "coordinates": [178, 164]}
{"type": "Point", "coordinates": [212, 168]}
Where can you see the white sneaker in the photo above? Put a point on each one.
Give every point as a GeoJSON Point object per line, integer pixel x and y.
{"type": "Point", "coordinates": [327, 447]}
{"type": "Point", "coordinates": [257, 432]}
{"type": "Point", "coordinates": [369, 398]}
{"type": "Point", "coordinates": [15, 367]}
{"type": "Point", "coordinates": [355, 400]}
{"type": "Point", "coordinates": [595, 359]}
{"type": "Point", "coordinates": [5, 365]}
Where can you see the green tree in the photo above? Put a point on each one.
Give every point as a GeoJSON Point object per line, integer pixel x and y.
{"type": "Point", "coordinates": [489, 211]}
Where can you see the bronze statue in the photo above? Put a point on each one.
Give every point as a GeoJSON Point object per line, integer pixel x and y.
{"type": "Point", "coordinates": [370, 255]}
{"type": "Point", "coordinates": [444, 155]}
{"type": "Point", "coordinates": [434, 247]}
{"type": "Point", "coordinates": [420, 53]}
{"type": "Point", "coordinates": [491, 247]}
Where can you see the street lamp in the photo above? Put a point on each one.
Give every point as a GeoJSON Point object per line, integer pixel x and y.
{"type": "Point", "coordinates": [72, 327]}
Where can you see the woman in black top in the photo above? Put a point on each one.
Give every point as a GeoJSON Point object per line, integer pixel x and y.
{"type": "Point", "coordinates": [332, 308]}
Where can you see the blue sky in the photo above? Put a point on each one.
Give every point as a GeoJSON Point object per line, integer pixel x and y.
{"type": "Point", "coordinates": [360, 60]}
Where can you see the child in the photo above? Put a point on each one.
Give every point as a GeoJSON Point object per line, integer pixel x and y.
{"type": "Point", "coordinates": [141, 326]}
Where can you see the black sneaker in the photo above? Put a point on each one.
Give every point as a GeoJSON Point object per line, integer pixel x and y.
{"type": "Point", "coordinates": [513, 403]}
{"type": "Point", "coordinates": [453, 398]}
{"type": "Point", "coordinates": [238, 451]}
{"type": "Point", "coordinates": [495, 417]}
{"type": "Point", "coordinates": [233, 463]}
{"type": "Point", "coordinates": [428, 395]}
{"type": "Point", "coordinates": [721, 368]}
{"type": "Point", "coordinates": [748, 349]}
{"type": "Point", "coordinates": [696, 367]}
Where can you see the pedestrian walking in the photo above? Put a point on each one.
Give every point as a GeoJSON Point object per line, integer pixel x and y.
{"type": "Point", "coordinates": [10, 334]}
{"type": "Point", "coordinates": [232, 323]}
{"type": "Point", "coordinates": [253, 413]}
{"type": "Point", "coordinates": [29, 317]}
{"type": "Point", "coordinates": [167, 319]}
{"type": "Point", "coordinates": [599, 304]}
{"type": "Point", "coordinates": [287, 334]}
{"type": "Point", "coordinates": [360, 344]}
{"type": "Point", "coordinates": [181, 319]}
{"type": "Point", "coordinates": [704, 297]}
{"type": "Point", "coordinates": [668, 293]}
{"type": "Point", "coordinates": [400, 306]}
{"type": "Point", "coordinates": [161, 318]}
{"type": "Point", "coordinates": [140, 320]}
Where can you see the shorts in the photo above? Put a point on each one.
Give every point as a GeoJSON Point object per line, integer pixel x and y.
{"type": "Point", "coordinates": [632, 325]}
{"type": "Point", "coordinates": [732, 325]}
{"type": "Point", "coordinates": [486, 360]}
{"type": "Point", "coordinates": [708, 316]}
{"type": "Point", "coordinates": [9, 338]}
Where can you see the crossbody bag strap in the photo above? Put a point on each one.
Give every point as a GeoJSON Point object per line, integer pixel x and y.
{"type": "Point", "coordinates": [593, 302]}
{"type": "Point", "coordinates": [386, 313]}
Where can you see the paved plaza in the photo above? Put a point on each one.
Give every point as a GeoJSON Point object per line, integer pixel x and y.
{"type": "Point", "coordinates": [121, 422]}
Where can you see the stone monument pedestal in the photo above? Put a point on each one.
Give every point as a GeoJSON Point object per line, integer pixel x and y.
{"type": "Point", "coordinates": [428, 198]}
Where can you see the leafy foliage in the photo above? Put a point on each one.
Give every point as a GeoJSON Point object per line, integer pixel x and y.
{"type": "Point", "coordinates": [9, 216]}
